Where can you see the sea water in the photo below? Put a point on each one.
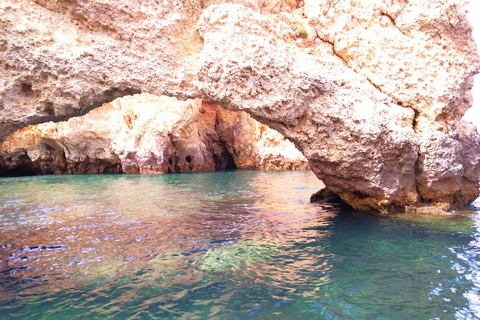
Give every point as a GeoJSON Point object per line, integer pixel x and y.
{"type": "Point", "coordinates": [224, 245]}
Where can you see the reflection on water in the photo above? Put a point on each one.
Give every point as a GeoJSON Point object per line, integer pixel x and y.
{"type": "Point", "coordinates": [224, 245]}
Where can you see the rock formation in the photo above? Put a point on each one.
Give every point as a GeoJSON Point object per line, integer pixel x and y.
{"type": "Point", "coordinates": [149, 134]}
{"type": "Point", "coordinates": [371, 92]}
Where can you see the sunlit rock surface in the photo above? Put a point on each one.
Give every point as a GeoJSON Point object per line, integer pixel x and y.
{"type": "Point", "coordinates": [149, 134]}
{"type": "Point", "coordinates": [371, 92]}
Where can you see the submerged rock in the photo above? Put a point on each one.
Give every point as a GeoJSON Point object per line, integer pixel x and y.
{"type": "Point", "coordinates": [236, 255]}
{"type": "Point", "coordinates": [372, 92]}
{"type": "Point", "coordinates": [149, 134]}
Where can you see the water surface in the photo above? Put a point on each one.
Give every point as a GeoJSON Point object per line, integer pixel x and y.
{"type": "Point", "coordinates": [224, 245]}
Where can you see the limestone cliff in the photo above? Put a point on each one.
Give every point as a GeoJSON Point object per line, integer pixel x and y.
{"type": "Point", "coordinates": [149, 134]}
{"type": "Point", "coordinates": [371, 92]}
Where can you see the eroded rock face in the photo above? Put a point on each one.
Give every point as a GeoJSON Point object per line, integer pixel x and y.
{"type": "Point", "coordinates": [371, 92]}
{"type": "Point", "coordinates": [63, 58]}
{"type": "Point", "coordinates": [149, 134]}
{"type": "Point", "coordinates": [363, 143]}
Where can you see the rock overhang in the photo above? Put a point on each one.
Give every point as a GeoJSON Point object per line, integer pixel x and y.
{"type": "Point", "coordinates": [372, 94]}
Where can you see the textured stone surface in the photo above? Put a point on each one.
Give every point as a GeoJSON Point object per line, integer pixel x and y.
{"type": "Point", "coordinates": [149, 134]}
{"type": "Point", "coordinates": [374, 148]}
{"type": "Point", "coordinates": [63, 58]}
{"type": "Point", "coordinates": [372, 92]}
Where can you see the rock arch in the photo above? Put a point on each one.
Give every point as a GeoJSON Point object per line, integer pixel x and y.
{"type": "Point", "coordinates": [371, 93]}
{"type": "Point", "coordinates": [148, 134]}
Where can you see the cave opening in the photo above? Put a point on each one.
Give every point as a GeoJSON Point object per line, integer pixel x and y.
{"type": "Point", "coordinates": [23, 168]}
{"type": "Point", "coordinates": [20, 171]}
{"type": "Point", "coordinates": [215, 140]}
{"type": "Point", "coordinates": [224, 161]}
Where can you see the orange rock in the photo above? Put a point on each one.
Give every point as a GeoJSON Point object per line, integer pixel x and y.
{"type": "Point", "coordinates": [149, 134]}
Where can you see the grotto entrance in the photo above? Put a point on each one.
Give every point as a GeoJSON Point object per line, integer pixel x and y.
{"type": "Point", "coordinates": [150, 134]}
{"type": "Point", "coordinates": [224, 161]}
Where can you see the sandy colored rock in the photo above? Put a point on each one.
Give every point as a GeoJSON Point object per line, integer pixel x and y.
{"type": "Point", "coordinates": [364, 148]}
{"type": "Point", "coordinates": [149, 134]}
{"type": "Point", "coordinates": [366, 144]}
{"type": "Point", "coordinates": [371, 92]}
{"type": "Point", "coordinates": [62, 58]}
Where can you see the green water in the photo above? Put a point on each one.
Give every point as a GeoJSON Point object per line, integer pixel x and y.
{"type": "Point", "coordinates": [225, 245]}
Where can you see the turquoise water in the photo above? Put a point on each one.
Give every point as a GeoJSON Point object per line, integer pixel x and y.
{"type": "Point", "coordinates": [224, 245]}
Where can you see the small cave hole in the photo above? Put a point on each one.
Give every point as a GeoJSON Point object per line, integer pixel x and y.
{"type": "Point", "coordinates": [49, 108]}
{"type": "Point", "coordinates": [170, 161]}
{"type": "Point", "coordinates": [27, 89]}
{"type": "Point", "coordinates": [188, 159]}
{"type": "Point", "coordinates": [224, 161]}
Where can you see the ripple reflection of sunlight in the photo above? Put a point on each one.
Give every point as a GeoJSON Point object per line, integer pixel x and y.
{"type": "Point", "coordinates": [471, 255]}
{"type": "Point", "coordinates": [475, 205]}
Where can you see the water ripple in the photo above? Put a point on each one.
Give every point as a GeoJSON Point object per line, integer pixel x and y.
{"type": "Point", "coordinates": [228, 245]}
